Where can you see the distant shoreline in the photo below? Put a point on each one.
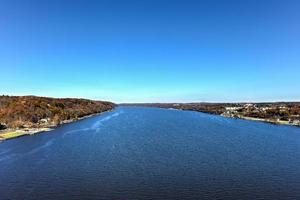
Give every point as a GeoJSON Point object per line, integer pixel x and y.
{"type": "Point", "coordinates": [280, 113]}
{"type": "Point", "coordinates": [279, 122]}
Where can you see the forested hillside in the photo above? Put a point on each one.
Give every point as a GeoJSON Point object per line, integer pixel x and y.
{"type": "Point", "coordinates": [32, 111]}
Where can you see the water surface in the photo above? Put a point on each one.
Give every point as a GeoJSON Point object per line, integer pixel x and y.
{"type": "Point", "coordinates": [152, 153]}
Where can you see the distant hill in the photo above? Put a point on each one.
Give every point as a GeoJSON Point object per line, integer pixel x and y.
{"type": "Point", "coordinates": [32, 111]}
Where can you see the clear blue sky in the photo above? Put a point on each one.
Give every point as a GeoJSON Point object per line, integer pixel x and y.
{"type": "Point", "coordinates": [151, 50]}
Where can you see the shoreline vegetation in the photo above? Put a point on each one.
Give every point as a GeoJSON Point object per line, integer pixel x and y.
{"type": "Point", "coordinates": [28, 115]}
{"type": "Point", "coordinates": [281, 113]}
{"type": "Point", "coordinates": [15, 133]}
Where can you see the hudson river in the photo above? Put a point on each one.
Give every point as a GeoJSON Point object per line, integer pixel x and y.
{"type": "Point", "coordinates": [151, 153]}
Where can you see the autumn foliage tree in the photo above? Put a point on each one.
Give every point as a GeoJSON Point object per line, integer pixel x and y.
{"type": "Point", "coordinates": [20, 111]}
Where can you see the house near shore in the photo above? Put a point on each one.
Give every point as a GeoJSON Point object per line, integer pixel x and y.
{"type": "Point", "coordinates": [3, 126]}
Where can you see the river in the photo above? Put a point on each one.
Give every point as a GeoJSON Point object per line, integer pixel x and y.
{"type": "Point", "coordinates": [152, 153]}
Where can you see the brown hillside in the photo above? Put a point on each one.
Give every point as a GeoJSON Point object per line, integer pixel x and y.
{"type": "Point", "coordinates": [32, 111]}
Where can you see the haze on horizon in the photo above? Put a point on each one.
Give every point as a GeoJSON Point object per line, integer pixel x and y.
{"type": "Point", "coordinates": [151, 50]}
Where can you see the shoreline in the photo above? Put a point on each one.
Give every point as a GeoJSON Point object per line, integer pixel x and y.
{"type": "Point", "coordinates": [16, 133]}
{"type": "Point", "coordinates": [269, 121]}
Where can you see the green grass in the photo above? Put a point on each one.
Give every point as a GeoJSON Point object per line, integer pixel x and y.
{"type": "Point", "coordinates": [12, 134]}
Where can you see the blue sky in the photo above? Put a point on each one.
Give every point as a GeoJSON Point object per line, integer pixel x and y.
{"type": "Point", "coordinates": [151, 50]}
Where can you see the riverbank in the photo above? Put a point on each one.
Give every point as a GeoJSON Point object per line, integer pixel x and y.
{"type": "Point", "coordinates": [15, 133]}
{"type": "Point", "coordinates": [28, 115]}
{"type": "Point", "coordinates": [281, 113]}
{"type": "Point", "coordinates": [277, 122]}
{"type": "Point", "coordinates": [11, 134]}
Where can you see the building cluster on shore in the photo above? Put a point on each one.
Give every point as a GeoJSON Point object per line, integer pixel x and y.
{"type": "Point", "coordinates": [281, 113]}
{"type": "Point", "coordinates": [278, 113]}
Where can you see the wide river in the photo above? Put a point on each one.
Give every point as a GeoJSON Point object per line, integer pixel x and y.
{"type": "Point", "coordinates": [151, 153]}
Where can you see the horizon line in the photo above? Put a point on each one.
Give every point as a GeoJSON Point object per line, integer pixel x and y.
{"type": "Point", "coordinates": [166, 102]}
